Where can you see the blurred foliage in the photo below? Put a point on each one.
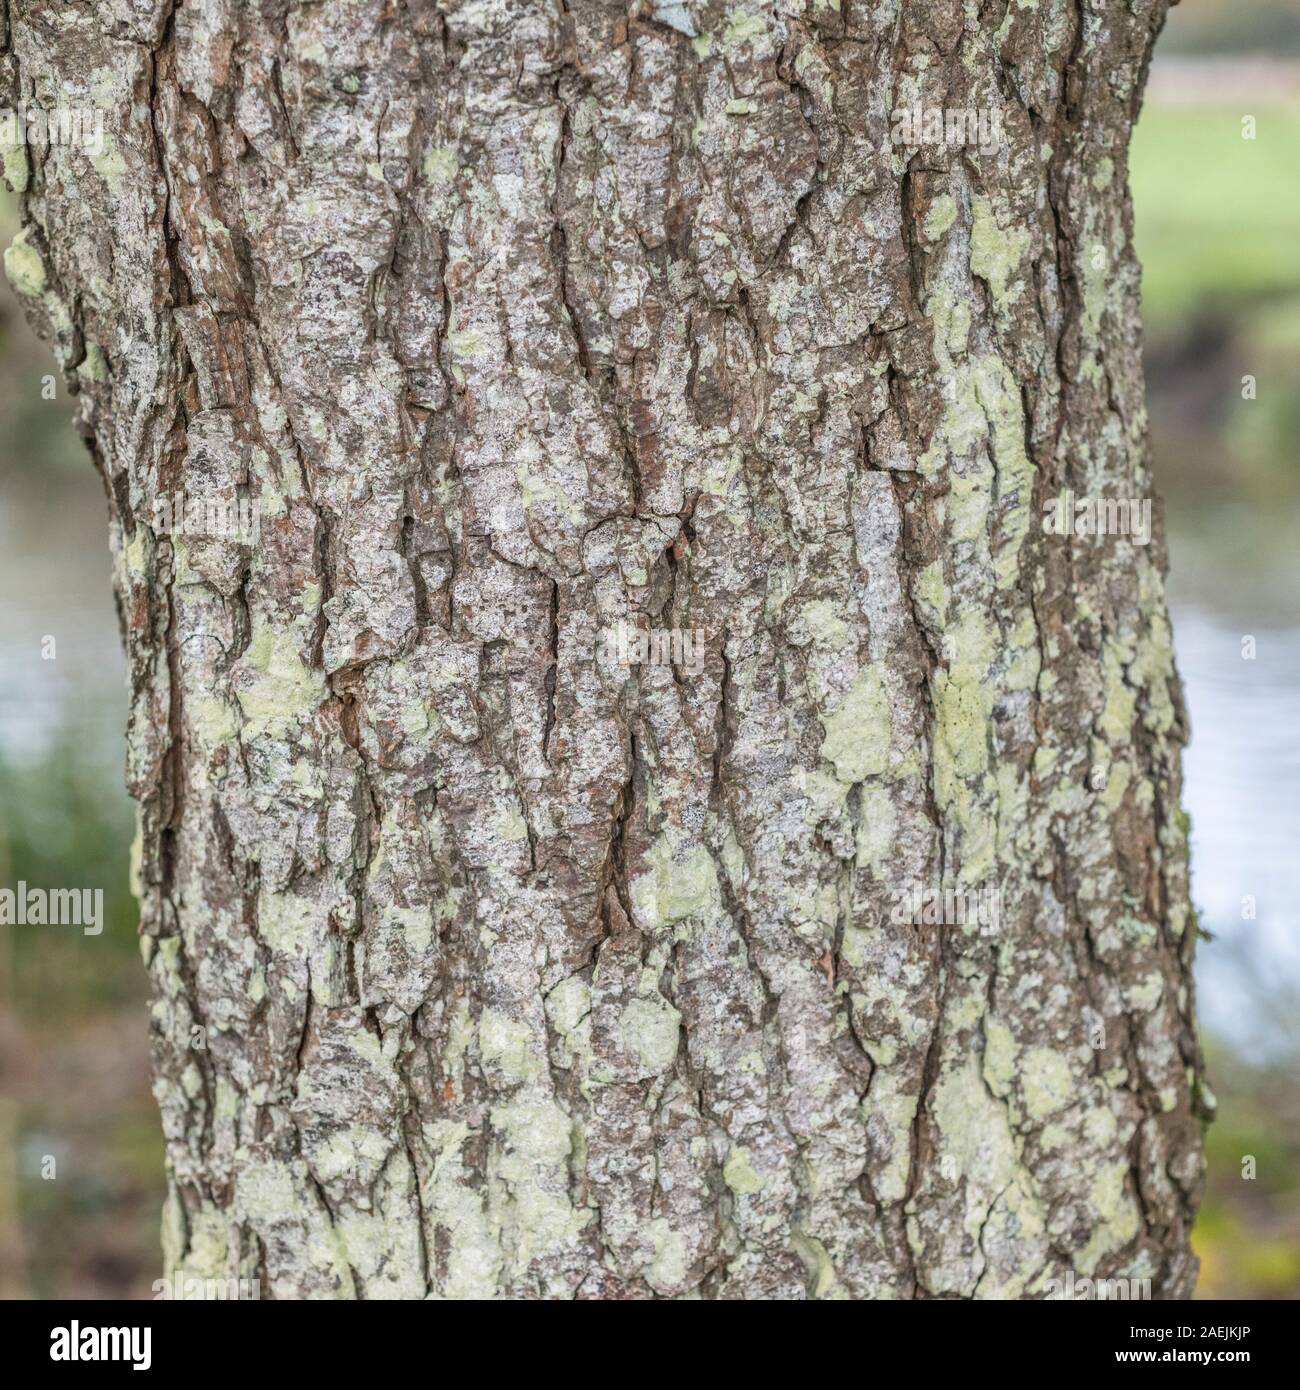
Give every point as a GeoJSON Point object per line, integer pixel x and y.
{"type": "Point", "coordinates": [73, 1043]}
{"type": "Point", "coordinates": [63, 823]}
{"type": "Point", "coordinates": [1248, 1232]}
{"type": "Point", "coordinates": [1211, 27]}
{"type": "Point", "coordinates": [1216, 214]}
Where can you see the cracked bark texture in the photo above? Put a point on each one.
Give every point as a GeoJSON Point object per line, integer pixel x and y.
{"type": "Point", "coordinates": [524, 975]}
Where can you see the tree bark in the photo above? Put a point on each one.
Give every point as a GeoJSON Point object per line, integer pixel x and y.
{"type": "Point", "coordinates": [484, 965]}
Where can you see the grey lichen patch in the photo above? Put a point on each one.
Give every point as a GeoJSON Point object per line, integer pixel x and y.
{"type": "Point", "coordinates": [507, 1045]}
{"type": "Point", "coordinates": [537, 1140]}
{"type": "Point", "coordinates": [24, 268]}
{"type": "Point", "coordinates": [964, 704]}
{"type": "Point", "coordinates": [14, 162]}
{"type": "Point", "coordinates": [857, 731]}
{"type": "Point", "coordinates": [675, 885]}
{"type": "Point", "coordinates": [942, 214]}
{"type": "Point", "coordinates": [1046, 1082]}
{"type": "Point", "coordinates": [277, 690]}
{"type": "Point", "coordinates": [738, 1173]}
{"type": "Point", "coordinates": [95, 367]}
{"type": "Point", "coordinates": [997, 254]}
{"type": "Point", "coordinates": [822, 1279]}
{"type": "Point", "coordinates": [743, 27]}
{"type": "Point", "coordinates": [650, 1029]}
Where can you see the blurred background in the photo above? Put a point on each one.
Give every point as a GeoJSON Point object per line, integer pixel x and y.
{"type": "Point", "coordinates": [1218, 231]}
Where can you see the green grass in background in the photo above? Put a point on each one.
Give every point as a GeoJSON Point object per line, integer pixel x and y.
{"type": "Point", "coordinates": [1217, 216]}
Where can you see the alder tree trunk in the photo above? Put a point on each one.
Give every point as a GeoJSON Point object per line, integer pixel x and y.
{"type": "Point", "coordinates": [485, 964]}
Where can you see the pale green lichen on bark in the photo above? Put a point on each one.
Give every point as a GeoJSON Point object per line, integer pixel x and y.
{"type": "Point", "coordinates": [529, 973]}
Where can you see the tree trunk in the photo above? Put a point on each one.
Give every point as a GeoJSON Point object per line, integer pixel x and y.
{"type": "Point", "coordinates": [498, 948]}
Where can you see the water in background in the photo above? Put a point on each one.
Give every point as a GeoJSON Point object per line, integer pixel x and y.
{"type": "Point", "coordinates": [1242, 790]}
{"type": "Point", "coordinates": [54, 583]}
